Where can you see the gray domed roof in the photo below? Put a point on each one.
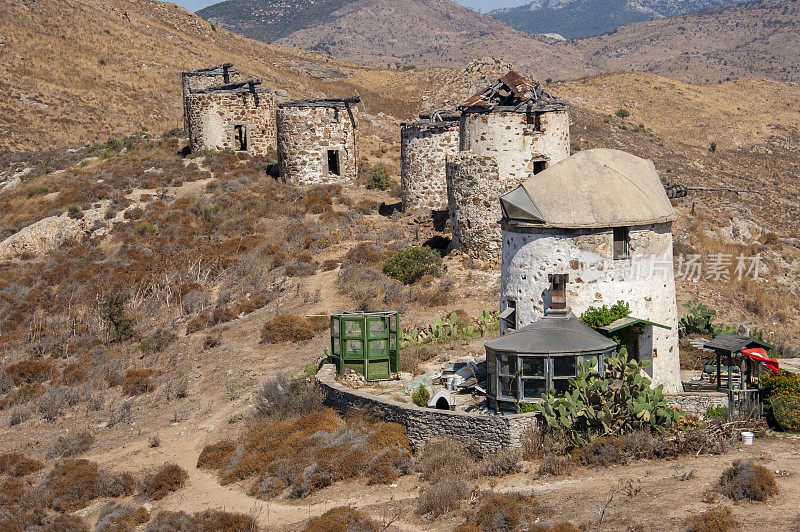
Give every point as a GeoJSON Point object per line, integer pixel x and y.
{"type": "Point", "coordinates": [593, 188]}
{"type": "Point", "coordinates": [554, 333]}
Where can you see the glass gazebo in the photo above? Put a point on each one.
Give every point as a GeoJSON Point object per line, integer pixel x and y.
{"type": "Point", "coordinates": [528, 364]}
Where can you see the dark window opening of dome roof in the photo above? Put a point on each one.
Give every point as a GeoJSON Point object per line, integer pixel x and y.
{"type": "Point", "coordinates": [622, 243]}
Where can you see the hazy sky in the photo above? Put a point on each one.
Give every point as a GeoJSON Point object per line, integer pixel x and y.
{"type": "Point", "coordinates": [479, 5]}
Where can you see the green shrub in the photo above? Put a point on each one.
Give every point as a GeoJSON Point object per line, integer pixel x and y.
{"type": "Point", "coordinates": [619, 402]}
{"type": "Point", "coordinates": [596, 317]}
{"type": "Point", "coordinates": [146, 228]}
{"type": "Point", "coordinates": [409, 265]}
{"type": "Point", "coordinates": [716, 412]}
{"type": "Point", "coordinates": [701, 320]}
{"type": "Point", "coordinates": [786, 409]}
{"type": "Point", "coordinates": [114, 311]}
{"type": "Point", "coordinates": [421, 396]}
{"type": "Point", "coordinates": [75, 212]}
{"type": "Point", "coordinates": [37, 190]}
{"type": "Point", "coordinates": [379, 178]}
{"type": "Point", "coordinates": [623, 113]}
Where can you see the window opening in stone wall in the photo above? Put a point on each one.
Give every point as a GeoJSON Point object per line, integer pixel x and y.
{"type": "Point", "coordinates": [539, 166]}
{"type": "Point", "coordinates": [334, 166]}
{"type": "Point", "coordinates": [240, 137]}
{"type": "Point", "coordinates": [622, 242]}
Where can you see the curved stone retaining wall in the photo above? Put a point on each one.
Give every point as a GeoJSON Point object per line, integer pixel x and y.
{"type": "Point", "coordinates": [484, 433]}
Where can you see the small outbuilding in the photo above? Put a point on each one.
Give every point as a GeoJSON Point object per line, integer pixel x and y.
{"type": "Point", "coordinates": [528, 364]}
{"type": "Point", "coordinates": [366, 342]}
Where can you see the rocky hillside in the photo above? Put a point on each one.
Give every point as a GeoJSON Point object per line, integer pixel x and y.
{"type": "Point", "coordinates": [100, 68]}
{"type": "Point", "coordinates": [575, 19]}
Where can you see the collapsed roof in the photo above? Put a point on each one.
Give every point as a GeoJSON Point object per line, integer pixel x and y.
{"type": "Point", "coordinates": [513, 93]}
{"type": "Point", "coordinates": [597, 188]}
{"type": "Point", "coordinates": [323, 102]}
{"type": "Point", "coordinates": [219, 70]}
{"type": "Point", "coordinates": [251, 85]}
{"type": "Point", "coordinates": [441, 118]}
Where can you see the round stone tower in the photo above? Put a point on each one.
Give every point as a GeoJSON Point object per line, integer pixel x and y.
{"type": "Point", "coordinates": [602, 220]}
{"type": "Point", "coordinates": [317, 141]}
{"type": "Point", "coordinates": [473, 186]}
{"type": "Point", "coordinates": [424, 147]}
{"type": "Point", "coordinates": [205, 78]}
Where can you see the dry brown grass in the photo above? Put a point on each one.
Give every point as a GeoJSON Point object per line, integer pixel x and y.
{"type": "Point", "coordinates": [73, 484]}
{"type": "Point", "coordinates": [216, 455]}
{"type": "Point", "coordinates": [166, 479]}
{"type": "Point", "coordinates": [202, 521]}
{"type": "Point", "coordinates": [555, 465]}
{"type": "Point", "coordinates": [287, 328]}
{"type": "Point", "coordinates": [115, 517]}
{"type": "Point", "coordinates": [342, 519]}
{"type": "Point", "coordinates": [17, 465]}
{"type": "Point", "coordinates": [67, 523]}
{"type": "Point", "coordinates": [137, 381]}
{"type": "Point", "coordinates": [718, 519]}
{"type": "Point", "coordinates": [31, 371]}
{"type": "Point", "coordinates": [442, 496]}
{"type": "Point", "coordinates": [507, 512]}
{"type": "Point", "coordinates": [747, 481]}
{"type": "Point", "coordinates": [70, 445]}
{"type": "Point", "coordinates": [445, 456]}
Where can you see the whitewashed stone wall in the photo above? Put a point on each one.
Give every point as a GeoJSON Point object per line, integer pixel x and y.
{"type": "Point", "coordinates": [305, 134]}
{"type": "Point", "coordinates": [513, 142]}
{"type": "Point", "coordinates": [483, 433]}
{"type": "Point", "coordinates": [530, 254]}
{"type": "Point", "coordinates": [212, 117]}
{"type": "Point", "coordinates": [474, 185]}
{"type": "Point", "coordinates": [191, 82]}
{"type": "Point", "coordinates": [424, 149]}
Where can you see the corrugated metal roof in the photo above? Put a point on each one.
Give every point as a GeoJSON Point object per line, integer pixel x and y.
{"type": "Point", "coordinates": [592, 189]}
{"type": "Point", "coordinates": [551, 335]}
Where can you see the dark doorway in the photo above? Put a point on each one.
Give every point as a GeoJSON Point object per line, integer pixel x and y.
{"type": "Point", "coordinates": [334, 166]}
{"type": "Point", "coordinates": [539, 166]}
{"type": "Point", "coordinates": [622, 239]}
{"type": "Point", "coordinates": [240, 137]}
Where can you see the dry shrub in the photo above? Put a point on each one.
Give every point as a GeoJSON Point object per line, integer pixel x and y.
{"type": "Point", "coordinates": [558, 527]}
{"type": "Point", "coordinates": [719, 519]}
{"type": "Point", "coordinates": [317, 201]}
{"type": "Point", "coordinates": [342, 519]}
{"type": "Point", "coordinates": [314, 451]}
{"type": "Point", "coordinates": [443, 496]}
{"type": "Point", "coordinates": [17, 465]}
{"type": "Point", "coordinates": [70, 445]}
{"type": "Point", "coordinates": [22, 395]}
{"type": "Point", "coordinates": [506, 512]}
{"type": "Point", "coordinates": [72, 374]}
{"type": "Point", "coordinates": [414, 356]}
{"type": "Point", "coordinates": [501, 463]}
{"type": "Point", "coordinates": [555, 465]}
{"type": "Point", "coordinates": [20, 508]}
{"type": "Point", "coordinates": [216, 455]}
{"type": "Point", "coordinates": [137, 381]}
{"type": "Point", "coordinates": [67, 523]}
{"type": "Point", "coordinates": [329, 265]}
{"type": "Point", "coordinates": [287, 328]}
{"type": "Point", "coordinates": [115, 517]}
{"type": "Point", "coordinates": [747, 481]}
{"type": "Point", "coordinates": [365, 253]}
{"type": "Point", "coordinates": [168, 478]}
{"type": "Point", "coordinates": [602, 452]}
{"type": "Point", "coordinates": [199, 323]}
{"type": "Point", "coordinates": [73, 484]}
{"type": "Point", "coordinates": [282, 398]}
{"type": "Point", "coordinates": [55, 401]}
{"type": "Point", "coordinates": [435, 296]}
{"type": "Point", "coordinates": [29, 371]}
{"type": "Point", "coordinates": [445, 456]}
{"type": "Point", "coordinates": [202, 521]}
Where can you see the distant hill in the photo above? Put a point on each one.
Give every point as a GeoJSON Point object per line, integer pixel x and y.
{"type": "Point", "coordinates": [575, 19]}
{"type": "Point", "coordinates": [270, 20]}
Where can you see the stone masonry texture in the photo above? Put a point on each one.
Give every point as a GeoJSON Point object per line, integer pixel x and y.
{"type": "Point", "coordinates": [305, 134]}
{"type": "Point", "coordinates": [424, 149]}
{"type": "Point", "coordinates": [213, 115]}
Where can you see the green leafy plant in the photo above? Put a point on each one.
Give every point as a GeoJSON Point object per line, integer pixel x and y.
{"type": "Point", "coordinates": [701, 320]}
{"type": "Point", "coordinates": [786, 409]}
{"type": "Point", "coordinates": [379, 178]}
{"type": "Point", "coordinates": [409, 265]}
{"type": "Point", "coordinates": [716, 412]}
{"type": "Point", "coordinates": [596, 317]}
{"type": "Point", "coordinates": [421, 396]}
{"type": "Point", "coordinates": [619, 402]}
{"type": "Point", "coordinates": [623, 113]}
{"type": "Point", "coordinates": [114, 310]}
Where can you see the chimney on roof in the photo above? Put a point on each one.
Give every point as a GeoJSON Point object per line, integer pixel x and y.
{"type": "Point", "coordinates": [558, 290]}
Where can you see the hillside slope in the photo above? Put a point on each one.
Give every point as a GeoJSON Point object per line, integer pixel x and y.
{"type": "Point", "coordinates": [97, 68]}
{"type": "Point", "coordinates": [575, 19]}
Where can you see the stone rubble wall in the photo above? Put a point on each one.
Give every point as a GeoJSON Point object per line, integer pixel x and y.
{"type": "Point", "coordinates": [484, 433]}
{"type": "Point", "coordinates": [423, 153]}
{"type": "Point", "coordinates": [305, 134]}
{"type": "Point", "coordinates": [212, 117]}
{"type": "Point", "coordinates": [508, 137]}
{"type": "Point", "coordinates": [697, 403]}
{"type": "Point", "coordinates": [531, 254]}
{"type": "Point", "coordinates": [474, 187]}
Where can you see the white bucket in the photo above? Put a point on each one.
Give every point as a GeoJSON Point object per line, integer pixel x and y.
{"type": "Point", "coordinates": [747, 438]}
